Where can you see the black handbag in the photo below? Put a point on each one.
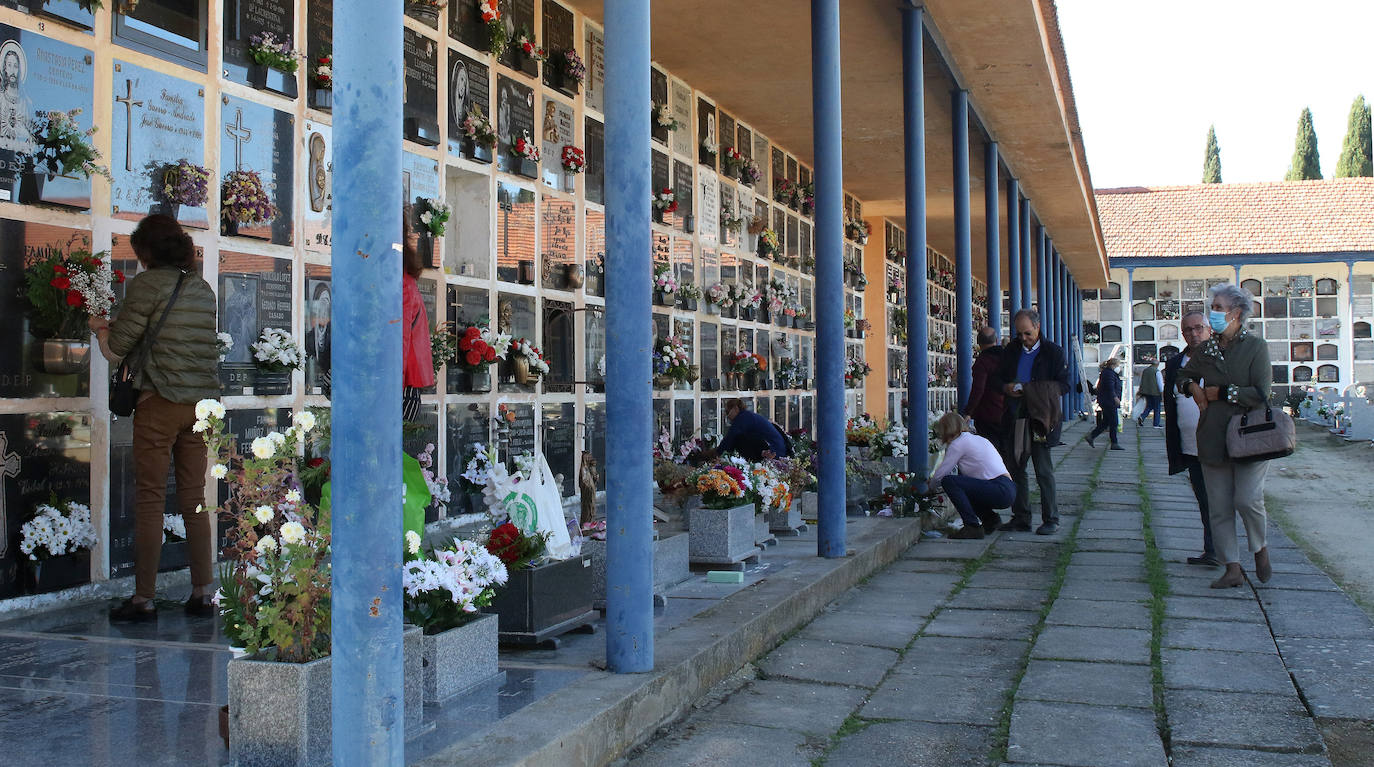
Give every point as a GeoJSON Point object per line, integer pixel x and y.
{"type": "Point", "coordinates": [123, 395]}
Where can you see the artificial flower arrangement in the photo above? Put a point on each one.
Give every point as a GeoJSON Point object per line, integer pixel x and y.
{"type": "Point", "coordinates": [322, 71]}
{"type": "Point", "coordinates": [790, 373]}
{"type": "Point", "coordinates": [770, 490]}
{"type": "Point", "coordinates": [861, 430]}
{"type": "Point", "coordinates": [709, 148]}
{"type": "Point", "coordinates": [721, 295]}
{"type": "Point", "coordinates": [775, 295]}
{"type": "Point", "coordinates": [443, 346]}
{"type": "Point", "coordinates": [595, 531]}
{"type": "Point", "coordinates": [243, 200]}
{"type": "Point", "coordinates": [275, 572]}
{"type": "Point", "coordinates": [856, 370]}
{"type": "Point", "coordinates": [524, 42]}
{"type": "Point", "coordinates": [890, 442]}
{"type": "Point", "coordinates": [478, 129]}
{"type": "Point", "coordinates": [785, 191]}
{"type": "Point", "coordinates": [479, 346]}
{"type": "Point", "coordinates": [438, 488]}
{"type": "Point", "coordinates": [665, 201]}
{"type": "Point", "coordinates": [62, 148]}
{"type": "Point", "coordinates": [224, 343]}
{"type": "Point", "coordinates": [447, 587]}
{"type": "Point", "coordinates": [433, 215]}
{"type": "Point", "coordinates": [186, 184]}
{"type": "Point", "coordinates": [899, 323]}
{"type": "Point", "coordinates": [516, 549]}
{"type": "Point", "coordinates": [746, 296]}
{"type": "Point", "coordinates": [531, 353]}
{"type": "Point", "coordinates": [742, 362]}
{"type": "Point", "coordinates": [722, 486]}
{"type": "Point", "coordinates": [497, 37]}
{"type": "Point", "coordinates": [477, 471]}
{"type": "Point", "coordinates": [856, 230]}
{"type": "Point", "coordinates": [750, 173]}
{"type": "Point", "coordinates": [896, 254]}
{"type": "Point", "coordinates": [277, 352]}
{"type": "Point", "coordinates": [573, 67]}
{"type": "Point", "coordinates": [663, 117]}
{"type": "Point", "coordinates": [730, 222]}
{"type": "Point", "coordinates": [863, 325]}
{"type": "Point", "coordinates": [689, 291]}
{"type": "Point", "coordinates": [732, 161]}
{"type": "Point", "coordinates": [906, 487]}
{"type": "Point", "coordinates": [672, 358]}
{"type": "Point", "coordinates": [574, 159]}
{"type": "Point", "coordinates": [173, 528]}
{"type": "Point", "coordinates": [850, 319]}
{"type": "Point", "coordinates": [769, 245]}
{"type": "Point", "coordinates": [65, 288]}
{"type": "Point", "coordinates": [664, 281]}
{"type": "Point", "coordinates": [53, 532]}
{"type": "Point", "coordinates": [267, 51]}
{"type": "Point", "coordinates": [807, 195]}
{"type": "Point", "coordinates": [522, 147]}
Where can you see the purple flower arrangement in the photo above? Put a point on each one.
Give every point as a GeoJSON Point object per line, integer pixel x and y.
{"type": "Point", "coordinates": [243, 200]}
{"type": "Point", "coordinates": [266, 50]}
{"type": "Point", "coordinates": [573, 66]}
{"type": "Point", "coordinates": [186, 184]}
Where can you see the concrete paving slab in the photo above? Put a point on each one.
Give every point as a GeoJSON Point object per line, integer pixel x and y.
{"type": "Point", "coordinates": [1217, 635]}
{"type": "Point", "coordinates": [1104, 613]}
{"type": "Point", "coordinates": [1243, 610]}
{"type": "Point", "coordinates": [716, 744]}
{"type": "Point", "coordinates": [1178, 569]}
{"type": "Point", "coordinates": [1225, 670]}
{"type": "Point", "coordinates": [1200, 756]}
{"type": "Point", "coordinates": [1110, 544]}
{"type": "Point", "coordinates": [987, 578]}
{"type": "Point", "coordinates": [1107, 558]}
{"type": "Point", "coordinates": [1241, 720]}
{"type": "Point", "coordinates": [1108, 533]}
{"type": "Point", "coordinates": [1093, 644]}
{"type": "Point", "coordinates": [872, 629]}
{"type": "Point", "coordinates": [963, 657]}
{"type": "Point", "coordinates": [948, 699]}
{"type": "Point", "coordinates": [1115, 591]}
{"type": "Point", "coordinates": [816, 660]}
{"type": "Point", "coordinates": [982, 624]}
{"type": "Point", "coordinates": [909, 565]}
{"type": "Point", "coordinates": [914, 744]}
{"type": "Point", "coordinates": [1110, 522]}
{"type": "Point", "coordinates": [1101, 684]}
{"type": "Point", "coordinates": [912, 583]}
{"type": "Point", "coordinates": [808, 708]}
{"type": "Point", "coordinates": [1104, 573]}
{"type": "Point", "coordinates": [947, 548]}
{"type": "Point", "coordinates": [1034, 547]}
{"type": "Point", "coordinates": [1202, 589]}
{"type": "Point", "coordinates": [1336, 676]}
{"type": "Point", "coordinates": [1031, 564]}
{"type": "Point", "coordinates": [1315, 614]}
{"type": "Point", "coordinates": [998, 599]}
{"type": "Point", "coordinates": [1297, 582]}
{"type": "Point", "coordinates": [1100, 735]}
{"type": "Point", "coordinates": [862, 600]}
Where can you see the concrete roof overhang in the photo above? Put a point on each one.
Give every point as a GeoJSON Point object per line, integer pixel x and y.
{"type": "Point", "coordinates": [753, 60]}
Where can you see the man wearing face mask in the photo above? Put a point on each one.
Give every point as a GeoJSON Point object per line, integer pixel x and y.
{"type": "Point", "coordinates": [1228, 376]}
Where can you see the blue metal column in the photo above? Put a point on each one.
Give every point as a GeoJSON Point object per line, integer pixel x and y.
{"type": "Point", "coordinates": [368, 723]}
{"type": "Point", "coordinates": [1013, 245]}
{"type": "Point", "coordinates": [829, 179]}
{"type": "Point", "coordinates": [963, 252]}
{"type": "Point", "coordinates": [1027, 254]}
{"type": "Point", "coordinates": [629, 394]}
{"type": "Point", "coordinates": [993, 226]}
{"type": "Point", "coordinates": [917, 293]}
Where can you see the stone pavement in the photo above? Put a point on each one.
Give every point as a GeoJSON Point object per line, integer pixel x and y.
{"type": "Point", "coordinates": [1094, 646]}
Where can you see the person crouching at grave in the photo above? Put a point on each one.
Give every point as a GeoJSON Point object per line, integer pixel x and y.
{"type": "Point", "coordinates": [983, 483]}
{"type": "Point", "coordinates": [169, 310]}
{"type": "Point", "coordinates": [417, 359]}
{"type": "Point", "coordinates": [750, 434]}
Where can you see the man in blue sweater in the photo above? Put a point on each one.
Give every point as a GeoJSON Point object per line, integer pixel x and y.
{"type": "Point", "coordinates": [751, 435]}
{"type": "Point", "coordinates": [1034, 376]}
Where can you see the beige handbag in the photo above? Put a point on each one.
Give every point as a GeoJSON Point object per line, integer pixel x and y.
{"type": "Point", "coordinates": [1261, 434]}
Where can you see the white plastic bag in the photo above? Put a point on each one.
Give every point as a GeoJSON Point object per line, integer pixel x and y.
{"type": "Point", "coordinates": [534, 504]}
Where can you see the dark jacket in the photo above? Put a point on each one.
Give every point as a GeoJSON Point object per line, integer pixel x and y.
{"type": "Point", "coordinates": [750, 434]}
{"type": "Point", "coordinates": [1173, 439]}
{"type": "Point", "coordinates": [985, 400]}
{"type": "Point", "coordinates": [1109, 389]}
{"type": "Point", "coordinates": [183, 365]}
{"type": "Point", "coordinates": [1244, 365]}
{"type": "Point", "coordinates": [1049, 365]}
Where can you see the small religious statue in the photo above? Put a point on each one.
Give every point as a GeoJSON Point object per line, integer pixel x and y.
{"type": "Point", "coordinates": [318, 178]}
{"type": "Point", "coordinates": [586, 484]}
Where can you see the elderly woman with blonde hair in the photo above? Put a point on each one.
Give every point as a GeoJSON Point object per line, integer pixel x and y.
{"type": "Point", "coordinates": [983, 483]}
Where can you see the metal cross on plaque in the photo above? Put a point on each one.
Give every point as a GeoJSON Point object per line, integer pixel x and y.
{"type": "Point", "coordinates": [240, 135]}
{"type": "Point", "coordinates": [9, 467]}
{"type": "Point", "coordinates": [129, 103]}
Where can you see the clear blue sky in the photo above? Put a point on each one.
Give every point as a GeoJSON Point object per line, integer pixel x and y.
{"type": "Point", "coordinates": [1148, 79]}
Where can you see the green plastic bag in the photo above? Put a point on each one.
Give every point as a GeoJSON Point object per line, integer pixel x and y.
{"type": "Point", "coordinates": [417, 497]}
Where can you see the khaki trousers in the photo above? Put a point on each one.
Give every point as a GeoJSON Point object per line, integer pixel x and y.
{"type": "Point", "coordinates": [162, 432]}
{"type": "Point", "coordinates": [1235, 488]}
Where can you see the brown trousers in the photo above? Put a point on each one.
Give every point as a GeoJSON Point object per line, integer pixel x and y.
{"type": "Point", "coordinates": [162, 432]}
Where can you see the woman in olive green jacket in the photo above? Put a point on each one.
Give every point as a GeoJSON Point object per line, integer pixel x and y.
{"type": "Point", "coordinates": [181, 369]}
{"type": "Point", "coordinates": [1231, 375]}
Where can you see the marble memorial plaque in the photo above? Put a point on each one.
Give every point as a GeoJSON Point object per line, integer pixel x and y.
{"type": "Point", "coordinates": [726, 132]}
{"type": "Point", "coordinates": [41, 74]}
{"type": "Point", "coordinates": [557, 133]}
{"type": "Point", "coordinates": [1364, 349]}
{"type": "Point", "coordinates": [317, 146]}
{"type": "Point", "coordinates": [123, 492]}
{"type": "Point", "coordinates": [21, 371]}
{"type": "Point", "coordinates": [594, 248]}
{"type": "Point", "coordinates": [662, 246]}
{"type": "Point", "coordinates": [468, 425]}
{"type": "Point", "coordinates": [420, 181]}
{"type": "Point", "coordinates": [1361, 306]}
{"type": "Point", "coordinates": [761, 156]}
{"type": "Point", "coordinates": [516, 317]}
{"type": "Point", "coordinates": [522, 429]}
{"type": "Point", "coordinates": [558, 243]}
{"type": "Point", "coordinates": [518, 16]}
{"type": "Point", "coordinates": [560, 443]}
{"type": "Point", "coordinates": [558, 39]}
{"type": "Point", "coordinates": [710, 351]}
{"type": "Point", "coordinates": [465, 24]}
{"type": "Point", "coordinates": [469, 90]}
{"type": "Point", "coordinates": [41, 455]}
{"type": "Point", "coordinates": [660, 174]}
{"type": "Point", "coordinates": [420, 113]}
{"type": "Point", "coordinates": [682, 188]}
{"type": "Point", "coordinates": [684, 418]}
{"type": "Point", "coordinates": [515, 244]}
{"type": "Point", "coordinates": [778, 166]}
{"type": "Point", "coordinates": [319, 303]}
{"type": "Point", "coordinates": [80, 14]}
{"type": "Point", "coordinates": [708, 206]}
{"type": "Point", "coordinates": [595, 60]}
{"type": "Point", "coordinates": [658, 93]}
{"type": "Point", "coordinates": [1275, 306]}
{"type": "Point", "coordinates": [793, 237]}
{"type": "Point", "coordinates": [791, 167]}
{"type": "Point", "coordinates": [158, 121]}
{"type": "Point", "coordinates": [514, 119]}
{"type": "Point", "coordinates": [245, 18]}
{"type": "Point", "coordinates": [319, 34]}
{"type": "Point", "coordinates": [262, 139]}
{"type": "Point", "coordinates": [681, 102]}
{"type": "Point", "coordinates": [595, 351]}
{"type": "Point", "coordinates": [709, 137]}
{"type": "Point", "coordinates": [1300, 307]}
{"type": "Point", "coordinates": [254, 293]}
{"type": "Point", "coordinates": [594, 177]}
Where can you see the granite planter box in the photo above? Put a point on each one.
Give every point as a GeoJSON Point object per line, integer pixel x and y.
{"type": "Point", "coordinates": [722, 536]}
{"type": "Point", "coordinates": [787, 521]}
{"type": "Point", "coordinates": [763, 537]}
{"type": "Point", "coordinates": [670, 565]}
{"type": "Point", "coordinates": [458, 659]}
{"type": "Point", "coordinates": [540, 603]}
{"type": "Point", "coordinates": [810, 506]}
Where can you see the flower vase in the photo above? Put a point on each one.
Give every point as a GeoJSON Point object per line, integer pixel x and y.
{"type": "Point", "coordinates": [56, 573]}
{"type": "Point", "coordinates": [460, 658]}
{"type": "Point", "coordinates": [31, 185]}
{"type": "Point", "coordinates": [574, 276]}
{"type": "Point", "coordinates": [526, 272]}
{"type": "Point", "coordinates": [475, 151]}
{"type": "Point", "coordinates": [659, 216]}
{"type": "Point", "coordinates": [663, 382]}
{"type": "Point", "coordinates": [63, 356]}
{"type": "Point", "coordinates": [424, 13]}
{"type": "Point", "coordinates": [266, 78]}
{"type": "Point", "coordinates": [228, 227]}
{"type": "Point", "coordinates": [166, 208]}
{"type": "Point", "coordinates": [322, 99]}
{"type": "Point", "coordinates": [520, 368]}
{"type": "Point", "coordinates": [663, 298]}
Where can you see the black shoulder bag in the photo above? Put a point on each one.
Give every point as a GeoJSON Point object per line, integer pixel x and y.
{"type": "Point", "coordinates": [123, 395]}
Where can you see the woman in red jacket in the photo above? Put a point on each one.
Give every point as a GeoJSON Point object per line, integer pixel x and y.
{"type": "Point", "coordinates": [417, 361]}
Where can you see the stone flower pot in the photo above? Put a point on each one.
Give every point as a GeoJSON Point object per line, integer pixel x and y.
{"type": "Point", "coordinates": [272, 80]}
{"type": "Point", "coordinates": [322, 99]}
{"type": "Point", "coordinates": [459, 659]}
{"type": "Point", "coordinates": [721, 536]}
{"type": "Point", "coordinates": [56, 573]}
{"type": "Point", "coordinates": [542, 602]}
{"type": "Point", "coordinates": [763, 537]}
{"type": "Point", "coordinates": [787, 520]}
{"type": "Point", "coordinates": [670, 565]}
{"type": "Point", "coordinates": [810, 506]}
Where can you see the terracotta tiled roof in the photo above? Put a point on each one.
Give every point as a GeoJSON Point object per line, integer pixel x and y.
{"type": "Point", "coordinates": [1327, 216]}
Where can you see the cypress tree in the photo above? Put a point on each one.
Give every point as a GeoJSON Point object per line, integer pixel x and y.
{"type": "Point", "coordinates": [1357, 151]}
{"type": "Point", "coordinates": [1306, 165]}
{"type": "Point", "coordinates": [1211, 165]}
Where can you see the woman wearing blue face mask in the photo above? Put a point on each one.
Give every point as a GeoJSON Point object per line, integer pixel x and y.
{"type": "Point", "coordinates": [1230, 375]}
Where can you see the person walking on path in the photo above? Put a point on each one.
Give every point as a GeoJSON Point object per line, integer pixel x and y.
{"type": "Point", "coordinates": [1180, 428]}
{"type": "Point", "coordinates": [181, 369]}
{"type": "Point", "coordinates": [985, 402]}
{"type": "Point", "coordinates": [1151, 389]}
{"type": "Point", "coordinates": [1109, 400]}
{"type": "Point", "coordinates": [983, 483]}
{"type": "Point", "coordinates": [1035, 377]}
{"type": "Point", "coordinates": [1230, 375]}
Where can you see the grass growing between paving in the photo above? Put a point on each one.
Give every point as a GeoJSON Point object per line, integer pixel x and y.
{"type": "Point", "coordinates": [1159, 590]}
{"type": "Point", "coordinates": [1002, 735]}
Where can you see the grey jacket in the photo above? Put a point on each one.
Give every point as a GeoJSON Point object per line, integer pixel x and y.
{"type": "Point", "coordinates": [1243, 365]}
{"type": "Point", "coordinates": [183, 364]}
